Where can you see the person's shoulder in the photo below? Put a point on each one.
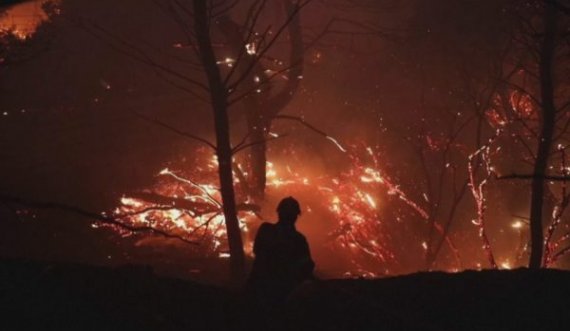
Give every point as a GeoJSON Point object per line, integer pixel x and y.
{"type": "Point", "coordinates": [266, 226]}
{"type": "Point", "coordinates": [300, 236]}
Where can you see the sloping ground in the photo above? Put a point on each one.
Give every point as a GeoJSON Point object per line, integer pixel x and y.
{"type": "Point", "coordinates": [36, 296]}
{"type": "Point", "coordinates": [41, 296]}
{"type": "Point", "coordinates": [489, 300]}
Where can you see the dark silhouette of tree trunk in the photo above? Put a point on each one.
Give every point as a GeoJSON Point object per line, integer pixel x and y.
{"type": "Point", "coordinates": [547, 49]}
{"type": "Point", "coordinates": [219, 104]}
{"type": "Point", "coordinates": [221, 91]}
{"type": "Point", "coordinates": [252, 104]}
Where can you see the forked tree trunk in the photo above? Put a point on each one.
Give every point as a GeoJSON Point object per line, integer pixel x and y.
{"type": "Point", "coordinates": [547, 49]}
{"type": "Point", "coordinates": [219, 102]}
{"type": "Point", "coordinates": [261, 107]}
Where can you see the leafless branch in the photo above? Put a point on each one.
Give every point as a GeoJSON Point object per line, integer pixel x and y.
{"type": "Point", "coordinates": [114, 221]}
{"type": "Point", "coordinates": [251, 22]}
{"type": "Point", "coordinates": [263, 51]}
{"type": "Point", "coordinates": [126, 48]}
{"type": "Point", "coordinates": [532, 176]}
{"type": "Point", "coordinates": [238, 149]}
{"type": "Point", "coordinates": [175, 130]}
{"type": "Point", "coordinates": [303, 122]}
{"type": "Point", "coordinates": [264, 82]}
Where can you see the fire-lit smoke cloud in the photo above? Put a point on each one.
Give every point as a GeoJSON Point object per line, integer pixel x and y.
{"type": "Point", "coordinates": [23, 19]}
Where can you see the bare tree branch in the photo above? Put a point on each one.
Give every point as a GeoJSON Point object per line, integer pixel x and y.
{"type": "Point", "coordinates": [262, 52]}
{"type": "Point", "coordinates": [239, 148]}
{"type": "Point", "coordinates": [110, 220]}
{"type": "Point", "coordinates": [532, 176]}
{"type": "Point", "coordinates": [175, 130]}
{"type": "Point", "coordinates": [126, 48]}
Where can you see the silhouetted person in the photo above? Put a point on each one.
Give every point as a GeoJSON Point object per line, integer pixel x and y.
{"type": "Point", "coordinates": [282, 257]}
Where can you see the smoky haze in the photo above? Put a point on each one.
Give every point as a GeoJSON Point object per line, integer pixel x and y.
{"type": "Point", "coordinates": [390, 76]}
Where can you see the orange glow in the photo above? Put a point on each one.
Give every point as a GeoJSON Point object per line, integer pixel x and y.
{"type": "Point", "coordinates": [346, 200]}
{"type": "Point", "coordinates": [23, 19]}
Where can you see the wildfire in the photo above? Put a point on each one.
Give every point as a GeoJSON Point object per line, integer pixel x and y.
{"type": "Point", "coordinates": [23, 19]}
{"type": "Point", "coordinates": [188, 209]}
{"type": "Point", "coordinates": [349, 201]}
{"type": "Point", "coordinates": [192, 209]}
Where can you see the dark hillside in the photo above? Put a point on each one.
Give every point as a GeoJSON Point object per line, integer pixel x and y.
{"type": "Point", "coordinates": [77, 297]}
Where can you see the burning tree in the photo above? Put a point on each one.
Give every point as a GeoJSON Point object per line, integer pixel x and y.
{"type": "Point", "coordinates": [219, 102]}
{"type": "Point", "coordinates": [454, 88]}
{"type": "Point", "coordinates": [240, 76]}
{"type": "Point", "coordinates": [254, 70]}
{"type": "Point", "coordinates": [514, 97]}
{"type": "Point", "coordinates": [533, 107]}
{"type": "Point", "coordinates": [547, 57]}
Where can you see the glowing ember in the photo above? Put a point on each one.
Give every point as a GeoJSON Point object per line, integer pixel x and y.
{"type": "Point", "coordinates": [517, 225]}
{"type": "Point", "coordinates": [506, 265]}
{"type": "Point", "coordinates": [251, 48]}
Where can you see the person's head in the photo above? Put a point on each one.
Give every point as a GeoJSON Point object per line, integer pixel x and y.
{"type": "Point", "coordinates": [288, 210]}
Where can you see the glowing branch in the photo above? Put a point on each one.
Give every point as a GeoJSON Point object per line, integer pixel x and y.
{"type": "Point", "coordinates": [312, 127]}
{"type": "Point", "coordinates": [557, 213]}
{"type": "Point", "coordinates": [478, 191]}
